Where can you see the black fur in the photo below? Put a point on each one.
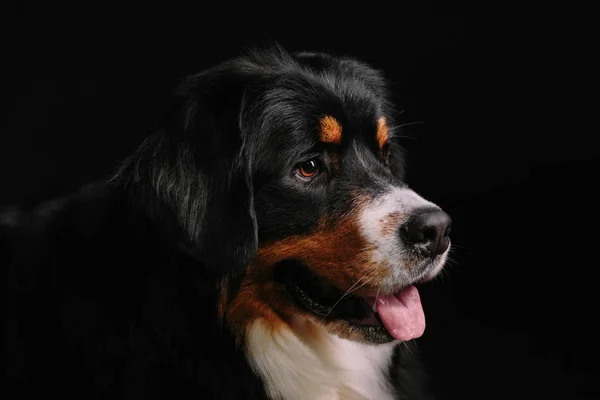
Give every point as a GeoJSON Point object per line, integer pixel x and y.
{"type": "Point", "coordinates": [113, 289]}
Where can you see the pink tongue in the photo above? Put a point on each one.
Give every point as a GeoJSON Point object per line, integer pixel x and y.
{"type": "Point", "coordinates": [402, 314]}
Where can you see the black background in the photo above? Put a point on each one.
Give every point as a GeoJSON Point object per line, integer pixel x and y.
{"type": "Point", "coordinates": [502, 101]}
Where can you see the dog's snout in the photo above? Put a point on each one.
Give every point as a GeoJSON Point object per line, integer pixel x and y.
{"type": "Point", "coordinates": [429, 232]}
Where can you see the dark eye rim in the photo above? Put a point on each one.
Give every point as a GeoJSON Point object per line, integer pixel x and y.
{"type": "Point", "coordinates": [314, 170]}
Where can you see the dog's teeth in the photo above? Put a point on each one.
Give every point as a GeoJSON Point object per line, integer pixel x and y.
{"type": "Point", "coordinates": [374, 306]}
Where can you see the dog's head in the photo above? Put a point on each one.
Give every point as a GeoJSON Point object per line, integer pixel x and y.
{"type": "Point", "coordinates": [286, 176]}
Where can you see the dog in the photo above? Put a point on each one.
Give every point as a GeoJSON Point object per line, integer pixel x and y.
{"type": "Point", "coordinates": [262, 244]}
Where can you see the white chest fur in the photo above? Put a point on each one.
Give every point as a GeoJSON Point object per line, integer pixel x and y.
{"type": "Point", "coordinates": [304, 361]}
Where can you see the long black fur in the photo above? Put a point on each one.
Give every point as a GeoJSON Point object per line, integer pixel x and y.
{"type": "Point", "coordinates": [113, 289]}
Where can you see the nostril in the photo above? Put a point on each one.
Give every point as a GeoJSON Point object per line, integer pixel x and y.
{"type": "Point", "coordinates": [428, 231]}
{"type": "Point", "coordinates": [448, 230]}
{"type": "Point", "coordinates": [416, 234]}
{"type": "Point", "coordinates": [443, 245]}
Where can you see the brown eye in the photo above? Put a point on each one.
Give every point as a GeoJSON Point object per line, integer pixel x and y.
{"type": "Point", "coordinates": [309, 168]}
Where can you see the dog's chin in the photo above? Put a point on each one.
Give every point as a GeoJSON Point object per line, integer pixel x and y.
{"type": "Point", "coordinates": [348, 315]}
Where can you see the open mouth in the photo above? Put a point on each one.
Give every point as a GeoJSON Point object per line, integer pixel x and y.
{"type": "Point", "coordinates": [381, 319]}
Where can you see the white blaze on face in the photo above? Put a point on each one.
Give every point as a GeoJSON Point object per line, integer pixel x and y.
{"type": "Point", "coordinates": [380, 222]}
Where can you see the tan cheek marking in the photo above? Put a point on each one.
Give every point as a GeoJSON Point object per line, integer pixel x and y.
{"type": "Point", "coordinates": [331, 130]}
{"type": "Point", "coordinates": [335, 252]}
{"type": "Point", "coordinates": [382, 132]}
{"type": "Point", "coordinates": [258, 297]}
{"type": "Point", "coordinates": [338, 253]}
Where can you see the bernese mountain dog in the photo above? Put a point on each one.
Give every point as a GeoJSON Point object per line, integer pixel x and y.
{"type": "Point", "coordinates": [261, 244]}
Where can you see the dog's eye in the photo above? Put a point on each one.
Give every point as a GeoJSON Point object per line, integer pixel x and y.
{"type": "Point", "coordinates": [309, 168]}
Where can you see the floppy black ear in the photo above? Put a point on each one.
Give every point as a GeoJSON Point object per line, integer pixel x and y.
{"type": "Point", "coordinates": [209, 123]}
{"type": "Point", "coordinates": [198, 170]}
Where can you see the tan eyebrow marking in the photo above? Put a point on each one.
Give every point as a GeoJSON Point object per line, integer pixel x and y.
{"type": "Point", "coordinates": [331, 130]}
{"type": "Point", "coordinates": [382, 132]}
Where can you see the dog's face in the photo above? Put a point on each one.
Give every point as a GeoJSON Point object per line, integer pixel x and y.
{"type": "Point", "coordinates": [287, 180]}
{"type": "Point", "coordinates": [341, 237]}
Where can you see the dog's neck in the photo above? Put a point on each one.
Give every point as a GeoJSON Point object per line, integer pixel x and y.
{"type": "Point", "coordinates": [304, 361]}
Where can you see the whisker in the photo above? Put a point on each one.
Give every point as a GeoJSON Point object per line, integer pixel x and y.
{"type": "Point", "coordinates": [444, 275]}
{"type": "Point", "coordinates": [407, 346]}
{"type": "Point", "coordinates": [451, 262]}
{"type": "Point", "coordinates": [404, 137]}
{"type": "Point", "coordinates": [352, 288]}
{"type": "Point", "coordinates": [410, 123]}
{"type": "Point", "coordinates": [344, 295]}
{"type": "Point", "coordinates": [458, 246]}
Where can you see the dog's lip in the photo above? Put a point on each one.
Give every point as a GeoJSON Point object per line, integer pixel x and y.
{"type": "Point", "coordinates": [433, 269]}
{"type": "Point", "coordinates": [325, 300]}
{"type": "Point", "coordinates": [360, 308]}
{"type": "Point", "coordinates": [368, 319]}
{"type": "Point", "coordinates": [428, 274]}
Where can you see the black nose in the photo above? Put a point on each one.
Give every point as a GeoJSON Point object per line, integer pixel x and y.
{"type": "Point", "coordinates": [428, 231]}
